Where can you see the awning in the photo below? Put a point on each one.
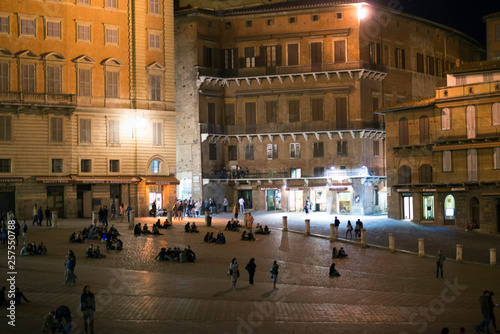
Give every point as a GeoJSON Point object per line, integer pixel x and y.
{"type": "Point", "coordinates": [104, 179]}
{"type": "Point", "coordinates": [11, 179]}
{"type": "Point", "coordinates": [53, 179]}
{"type": "Point", "coordinates": [160, 180]}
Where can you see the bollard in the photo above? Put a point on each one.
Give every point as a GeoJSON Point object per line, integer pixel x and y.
{"type": "Point", "coordinates": [131, 223]}
{"type": "Point", "coordinates": [208, 219]}
{"type": "Point", "coordinates": [336, 231]}
{"type": "Point", "coordinates": [55, 215]}
{"type": "Point", "coordinates": [459, 252]}
{"type": "Point", "coordinates": [493, 256]}
{"type": "Point", "coordinates": [95, 217]}
{"type": "Point", "coordinates": [421, 247]}
{"type": "Point", "coordinates": [308, 228]}
{"type": "Point", "coordinates": [392, 248]}
{"type": "Point", "coordinates": [285, 224]}
{"type": "Point", "coordinates": [332, 232]}
{"type": "Point", "coordinates": [363, 237]}
{"type": "Point", "coordinates": [245, 215]}
{"type": "Point", "coordinates": [169, 216]}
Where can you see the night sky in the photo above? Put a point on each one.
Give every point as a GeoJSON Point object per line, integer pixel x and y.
{"type": "Point", "coordinates": [465, 16]}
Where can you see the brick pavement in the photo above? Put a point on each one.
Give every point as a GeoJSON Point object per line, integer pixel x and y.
{"type": "Point", "coordinates": [378, 291]}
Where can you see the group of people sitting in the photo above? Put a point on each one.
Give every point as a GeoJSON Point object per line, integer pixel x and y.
{"type": "Point", "coordinates": [247, 236]}
{"type": "Point", "coordinates": [78, 238]}
{"type": "Point", "coordinates": [340, 254]}
{"type": "Point", "coordinates": [176, 254]}
{"type": "Point", "coordinates": [92, 253]}
{"type": "Point", "coordinates": [260, 230]}
{"type": "Point", "coordinates": [191, 228]}
{"type": "Point", "coordinates": [220, 239]}
{"type": "Point", "coordinates": [32, 249]}
{"type": "Point", "coordinates": [145, 229]}
{"type": "Point", "coordinates": [233, 225]}
{"type": "Point", "coordinates": [166, 224]}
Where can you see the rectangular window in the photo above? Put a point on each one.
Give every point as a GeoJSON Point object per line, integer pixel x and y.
{"type": "Point", "coordinates": [496, 158]}
{"type": "Point", "coordinates": [430, 65]}
{"type": "Point", "coordinates": [207, 57]}
{"type": "Point", "coordinates": [211, 113]}
{"type": "Point", "coordinates": [316, 56]}
{"type": "Point", "coordinates": [112, 3]}
{"type": "Point", "coordinates": [57, 165]}
{"type": "Point", "coordinates": [437, 63]}
{"type": "Point", "coordinates": [342, 148]}
{"type": "Point", "coordinates": [114, 166]}
{"type": "Point", "coordinates": [471, 165]}
{"type": "Point", "coordinates": [212, 151]}
{"type": "Point", "coordinates": [341, 112]}
{"type": "Point", "coordinates": [375, 53]}
{"type": "Point", "coordinates": [232, 153]}
{"type": "Point", "coordinates": [272, 111]}
{"type": "Point", "coordinates": [447, 162]}
{"type": "Point", "coordinates": [420, 63]}
{"type": "Point", "coordinates": [111, 36]}
{"type": "Point", "coordinates": [294, 150]}
{"type": "Point", "coordinates": [229, 58]}
{"type": "Point", "coordinates": [376, 148]}
{"type": "Point", "coordinates": [84, 2]}
{"type": "Point", "coordinates": [84, 33]}
{"type": "Point", "coordinates": [294, 111]}
{"type": "Point", "coordinates": [112, 84]}
{"type": "Point", "coordinates": [84, 82]}
{"type": "Point", "coordinates": [340, 54]}
{"type": "Point", "coordinates": [249, 23]}
{"type": "Point", "coordinates": [250, 113]}
{"type": "Point", "coordinates": [85, 131]}
{"type": "Point", "coordinates": [295, 173]}
{"type": "Point", "coordinates": [446, 119]}
{"type": "Point", "coordinates": [155, 87]}
{"type": "Point", "coordinates": [28, 27]}
{"type": "Point", "coordinates": [318, 150]}
{"type": "Point", "coordinates": [400, 58]}
{"type": "Point", "coordinates": [54, 80]}
{"type": "Point", "coordinates": [293, 54]}
{"type": "Point", "coordinates": [4, 77]}
{"type": "Point", "coordinates": [229, 113]}
{"type": "Point", "coordinates": [248, 152]}
{"type": "Point", "coordinates": [114, 132]}
{"type": "Point", "coordinates": [154, 6]}
{"type": "Point", "coordinates": [28, 77]}
{"type": "Point", "coordinates": [317, 109]}
{"type": "Point", "coordinates": [157, 134]}
{"type": "Point", "coordinates": [154, 40]}
{"type": "Point", "coordinates": [272, 151]}
{"type": "Point", "coordinates": [5, 165]}
{"type": "Point", "coordinates": [386, 55]}
{"type": "Point", "coordinates": [56, 129]}
{"type": "Point", "coordinates": [319, 171]}
{"type": "Point", "coordinates": [249, 57]}
{"type": "Point", "coordinates": [86, 166]}
{"type": "Point", "coordinates": [5, 128]}
{"type": "Point", "coordinates": [271, 56]}
{"type": "Point", "coordinates": [4, 24]}
{"type": "Point", "coordinates": [54, 29]}
{"type": "Point", "coordinates": [155, 166]}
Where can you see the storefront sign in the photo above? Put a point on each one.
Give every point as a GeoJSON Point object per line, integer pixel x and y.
{"type": "Point", "coordinates": [430, 190]}
{"type": "Point", "coordinates": [403, 190]}
{"type": "Point", "coordinates": [245, 187]}
{"type": "Point", "coordinates": [270, 188]}
{"type": "Point", "coordinates": [11, 179]}
{"type": "Point", "coordinates": [336, 188]}
{"type": "Point", "coordinates": [459, 189]}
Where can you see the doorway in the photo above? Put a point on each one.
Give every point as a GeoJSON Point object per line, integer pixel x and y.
{"type": "Point", "coordinates": [407, 207]}
{"type": "Point", "coordinates": [474, 211]}
{"type": "Point", "coordinates": [247, 196]}
{"type": "Point", "coordinates": [84, 200]}
{"type": "Point", "coordinates": [273, 200]}
{"type": "Point", "coordinates": [449, 210]}
{"type": "Point", "coordinates": [55, 199]}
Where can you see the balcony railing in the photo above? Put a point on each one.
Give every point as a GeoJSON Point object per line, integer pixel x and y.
{"type": "Point", "coordinates": [289, 127]}
{"type": "Point", "coordinates": [37, 98]}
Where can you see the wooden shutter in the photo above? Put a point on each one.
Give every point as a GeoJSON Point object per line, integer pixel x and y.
{"type": "Point", "coordinates": [447, 163]}
{"type": "Point", "coordinates": [272, 111]}
{"type": "Point", "coordinates": [472, 165]}
{"type": "Point", "coordinates": [317, 109]}
{"type": "Point", "coordinates": [211, 113]}
{"type": "Point", "coordinates": [341, 112]}
{"type": "Point", "coordinates": [250, 114]}
{"type": "Point", "coordinates": [316, 57]}
{"type": "Point", "coordinates": [261, 60]}
{"type": "Point", "coordinates": [403, 131]}
{"type": "Point", "coordinates": [471, 121]}
{"type": "Point", "coordinates": [293, 111]}
{"type": "Point", "coordinates": [293, 54]}
{"type": "Point", "coordinates": [424, 129]}
{"type": "Point", "coordinates": [279, 55]}
{"type": "Point", "coordinates": [495, 113]}
{"type": "Point", "coordinates": [496, 158]}
{"type": "Point", "coordinates": [445, 119]}
{"type": "Point", "coordinates": [340, 52]}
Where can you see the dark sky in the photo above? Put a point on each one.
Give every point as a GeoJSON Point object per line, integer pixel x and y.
{"type": "Point", "coordinates": [465, 16]}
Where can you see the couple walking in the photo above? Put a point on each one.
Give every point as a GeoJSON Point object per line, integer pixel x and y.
{"type": "Point", "coordinates": [251, 267]}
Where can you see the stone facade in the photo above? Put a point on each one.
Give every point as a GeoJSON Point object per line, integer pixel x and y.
{"type": "Point", "coordinates": [87, 108]}
{"type": "Point", "coordinates": [443, 154]}
{"type": "Point", "coordinates": [288, 91]}
{"type": "Point", "coordinates": [492, 36]}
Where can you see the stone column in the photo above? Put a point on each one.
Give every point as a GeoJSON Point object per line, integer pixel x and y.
{"type": "Point", "coordinates": [55, 215]}
{"type": "Point", "coordinates": [131, 223]}
{"type": "Point", "coordinates": [392, 248]}
{"type": "Point", "coordinates": [308, 228]}
{"type": "Point", "coordinates": [363, 237]}
{"type": "Point", "coordinates": [169, 216]}
{"type": "Point", "coordinates": [208, 219]}
{"type": "Point", "coordinates": [421, 247]}
{"type": "Point", "coordinates": [332, 232]}
{"type": "Point", "coordinates": [493, 256]}
{"type": "Point", "coordinates": [459, 252]}
{"type": "Point", "coordinates": [245, 215]}
{"type": "Point", "coordinates": [285, 224]}
{"type": "Point", "coordinates": [95, 217]}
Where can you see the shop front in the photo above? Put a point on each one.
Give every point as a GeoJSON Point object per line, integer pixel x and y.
{"type": "Point", "coordinates": [8, 193]}
{"type": "Point", "coordinates": [449, 210]}
{"type": "Point", "coordinates": [160, 190]}
{"type": "Point", "coordinates": [428, 206]}
{"type": "Point", "coordinates": [407, 202]}
{"type": "Point", "coordinates": [295, 199]}
{"type": "Point", "coordinates": [344, 199]}
{"type": "Point", "coordinates": [317, 197]}
{"type": "Point", "coordinates": [273, 198]}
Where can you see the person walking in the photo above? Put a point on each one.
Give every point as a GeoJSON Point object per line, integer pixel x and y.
{"type": "Point", "coordinates": [250, 267]}
{"type": "Point", "coordinates": [485, 312]}
{"type": "Point", "coordinates": [225, 204]}
{"type": "Point", "coordinates": [48, 218]}
{"type": "Point", "coordinates": [336, 223]}
{"type": "Point", "coordinates": [35, 215]}
{"type": "Point", "coordinates": [274, 274]}
{"type": "Point", "coordinates": [39, 215]}
{"type": "Point", "coordinates": [242, 205]}
{"type": "Point", "coordinates": [233, 272]}
{"type": "Point", "coordinates": [25, 233]}
{"type": "Point", "coordinates": [153, 208]}
{"type": "Point", "coordinates": [87, 306]}
{"type": "Point", "coordinates": [349, 229]}
{"type": "Point", "coordinates": [492, 315]}
{"type": "Point", "coordinates": [235, 211]}
{"type": "Point", "coordinates": [439, 263]}
{"type": "Point", "coordinates": [70, 268]}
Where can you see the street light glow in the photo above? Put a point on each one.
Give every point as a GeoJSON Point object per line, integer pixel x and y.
{"type": "Point", "coordinates": [362, 12]}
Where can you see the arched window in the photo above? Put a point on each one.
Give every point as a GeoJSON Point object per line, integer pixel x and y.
{"type": "Point", "coordinates": [155, 166]}
{"type": "Point", "coordinates": [404, 175]}
{"type": "Point", "coordinates": [446, 119]}
{"type": "Point", "coordinates": [449, 207]}
{"type": "Point", "coordinates": [403, 131]}
{"type": "Point", "coordinates": [495, 113]}
{"type": "Point", "coordinates": [425, 174]}
{"type": "Point", "coordinates": [424, 130]}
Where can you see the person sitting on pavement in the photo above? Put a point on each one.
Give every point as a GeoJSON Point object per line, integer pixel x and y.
{"type": "Point", "coordinates": [244, 235]}
{"type": "Point", "coordinates": [49, 325]}
{"type": "Point", "coordinates": [250, 236]}
{"type": "Point", "coordinates": [182, 256]}
{"type": "Point", "coordinates": [333, 271]}
{"type": "Point", "coordinates": [207, 237]}
{"type": "Point", "coordinates": [191, 256]}
{"type": "Point", "coordinates": [119, 245]}
{"type": "Point", "coordinates": [266, 230]}
{"type": "Point", "coordinates": [145, 229]}
{"type": "Point", "coordinates": [228, 226]}
{"type": "Point", "coordinates": [162, 254]}
{"type": "Point", "coordinates": [76, 238]}
{"type": "Point", "coordinates": [259, 229]}
{"type": "Point", "coordinates": [221, 239]}
{"type": "Point", "coordinates": [166, 224]}
{"type": "Point", "coordinates": [156, 231]}
{"type": "Point", "coordinates": [24, 251]}
{"type": "Point", "coordinates": [109, 245]}
{"type": "Point", "coordinates": [194, 228]}
{"type": "Point", "coordinates": [90, 252]}
{"type": "Point", "coordinates": [335, 253]}
{"type": "Point", "coordinates": [97, 253]}
{"type": "Point", "coordinates": [137, 229]}
{"type": "Point", "coordinates": [42, 250]}
{"type": "Point", "coordinates": [471, 225]}
{"type": "Point", "coordinates": [113, 232]}
{"type": "Point", "coordinates": [18, 296]}
{"type": "Point", "coordinates": [187, 227]}
{"type": "Point", "coordinates": [341, 254]}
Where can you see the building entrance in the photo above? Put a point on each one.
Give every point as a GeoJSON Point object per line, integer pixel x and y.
{"type": "Point", "coordinates": [407, 207]}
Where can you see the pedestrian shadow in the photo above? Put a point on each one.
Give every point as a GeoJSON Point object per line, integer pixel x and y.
{"type": "Point", "coordinates": [267, 294]}
{"type": "Point", "coordinates": [223, 292]}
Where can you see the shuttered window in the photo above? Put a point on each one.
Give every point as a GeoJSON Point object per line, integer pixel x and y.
{"type": "Point", "coordinates": [425, 174]}
{"type": "Point", "coordinates": [250, 113]}
{"type": "Point", "coordinates": [272, 111]}
{"type": "Point", "coordinates": [340, 54]}
{"type": "Point", "coordinates": [157, 133]}
{"type": "Point", "coordinates": [496, 158]}
{"type": "Point", "coordinates": [293, 111]}
{"type": "Point", "coordinates": [114, 166]}
{"type": "Point", "coordinates": [376, 148]}
{"type": "Point", "coordinates": [319, 171]}
{"type": "Point", "coordinates": [5, 128]}
{"type": "Point", "coordinates": [207, 57]}
{"type": "Point", "coordinates": [271, 55]}
{"type": "Point", "coordinates": [318, 150]}
{"type": "Point", "coordinates": [293, 54]}
{"type": "Point", "coordinates": [5, 165]}
{"type": "Point", "coordinates": [211, 113]}
{"type": "Point", "coordinates": [294, 150]}
{"type": "Point", "coordinates": [155, 87]}
{"type": "Point", "coordinates": [54, 80]}
{"type": "Point", "coordinates": [316, 56]}
{"type": "Point", "coordinates": [342, 148]}
{"type": "Point", "coordinates": [447, 161]}
{"type": "Point", "coordinates": [85, 165]}
{"type": "Point", "coordinates": [212, 151]}
{"type": "Point", "coordinates": [85, 131]}
{"type": "Point", "coordinates": [424, 130]}
{"type": "Point", "coordinates": [446, 119]}
{"type": "Point", "coordinates": [495, 113]}
{"type": "Point", "coordinates": [28, 77]}
{"type": "Point", "coordinates": [4, 77]}
{"type": "Point", "coordinates": [471, 165]}
{"type": "Point", "coordinates": [404, 175]}
{"type": "Point", "coordinates": [400, 58]}
{"type": "Point", "coordinates": [341, 112]}
{"type": "Point", "coordinates": [471, 121]}
{"type": "Point", "coordinates": [249, 152]}
{"type": "Point", "coordinates": [403, 131]}
{"type": "Point", "coordinates": [249, 57]}
{"type": "Point", "coordinates": [232, 153]}
{"type": "Point", "coordinates": [317, 109]}
{"type": "Point", "coordinates": [272, 151]}
{"type": "Point", "coordinates": [84, 82]}
{"type": "Point", "coordinates": [57, 165]}
{"type": "Point", "coordinates": [56, 129]}
{"type": "Point", "coordinates": [112, 84]}
{"type": "Point", "coordinates": [154, 6]}
{"type": "Point", "coordinates": [114, 132]}
{"type": "Point", "coordinates": [229, 113]}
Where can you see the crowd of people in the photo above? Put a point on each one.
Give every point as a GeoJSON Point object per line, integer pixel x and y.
{"type": "Point", "coordinates": [219, 239]}
{"type": "Point", "coordinates": [224, 173]}
{"type": "Point", "coordinates": [262, 230]}
{"type": "Point", "coordinates": [232, 225]}
{"type": "Point", "coordinates": [33, 249]}
{"type": "Point", "coordinates": [176, 255]}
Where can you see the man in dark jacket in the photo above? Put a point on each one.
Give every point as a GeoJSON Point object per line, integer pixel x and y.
{"type": "Point", "coordinates": [87, 305]}
{"type": "Point", "coordinates": [48, 218]}
{"type": "Point", "coordinates": [484, 326]}
{"type": "Point", "coordinates": [63, 312]}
